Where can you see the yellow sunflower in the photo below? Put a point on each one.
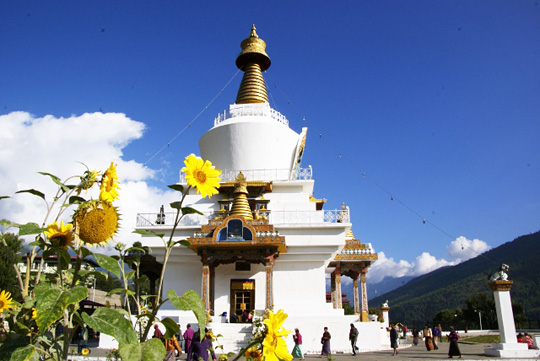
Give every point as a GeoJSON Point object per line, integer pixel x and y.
{"type": "Point", "coordinates": [34, 313]}
{"type": "Point", "coordinates": [274, 346]}
{"type": "Point", "coordinates": [96, 222]}
{"type": "Point", "coordinates": [202, 175]}
{"type": "Point", "coordinates": [5, 301]}
{"type": "Point", "coordinates": [85, 351]}
{"type": "Point", "coordinates": [61, 235]}
{"type": "Point", "coordinates": [109, 184]}
{"type": "Point", "coordinates": [253, 353]}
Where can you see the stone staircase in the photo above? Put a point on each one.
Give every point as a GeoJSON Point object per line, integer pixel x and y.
{"type": "Point", "coordinates": [234, 336]}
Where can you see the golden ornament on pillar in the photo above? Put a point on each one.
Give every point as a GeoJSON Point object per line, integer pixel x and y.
{"type": "Point", "coordinates": [240, 205]}
{"type": "Point", "coordinates": [253, 60]}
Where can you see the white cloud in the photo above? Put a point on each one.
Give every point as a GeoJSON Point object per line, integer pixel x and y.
{"type": "Point", "coordinates": [58, 146]}
{"type": "Point", "coordinates": [463, 249]}
{"type": "Point", "coordinates": [385, 266]}
{"type": "Point", "coordinates": [458, 250]}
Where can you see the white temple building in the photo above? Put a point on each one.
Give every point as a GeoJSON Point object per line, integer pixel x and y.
{"type": "Point", "coordinates": [264, 242]}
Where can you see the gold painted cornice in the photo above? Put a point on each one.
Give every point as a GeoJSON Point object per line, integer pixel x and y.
{"type": "Point", "coordinates": [371, 257]}
{"type": "Point", "coordinates": [316, 200]}
{"type": "Point", "coordinates": [263, 236]}
{"type": "Point", "coordinates": [253, 60]}
{"type": "Point", "coordinates": [500, 285]}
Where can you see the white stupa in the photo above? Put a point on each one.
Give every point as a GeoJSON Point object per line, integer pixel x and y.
{"type": "Point", "coordinates": [264, 242]}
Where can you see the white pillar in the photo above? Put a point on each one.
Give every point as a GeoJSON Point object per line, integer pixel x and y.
{"type": "Point", "coordinates": [508, 347]}
{"type": "Point", "coordinates": [386, 318]}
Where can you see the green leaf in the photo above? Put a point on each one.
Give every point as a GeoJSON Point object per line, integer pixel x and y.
{"type": "Point", "coordinates": [57, 180]}
{"type": "Point", "coordinates": [133, 249]}
{"type": "Point", "coordinates": [171, 327]}
{"type": "Point", "coordinates": [115, 291]}
{"type": "Point", "coordinates": [183, 242]}
{"type": "Point", "coordinates": [113, 323]}
{"type": "Point", "coordinates": [54, 178]}
{"type": "Point", "coordinates": [38, 243]}
{"type": "Point", "coordinates": [7, 224]}
{"type": "Point", "coordinates": [64, 257]}
{"type": "Point", "coordinates": [34, 192]}
{"type": "Point", "coordinates": [176, 205]}
{"type": "Point", "coordinates": [141, 280]}
{"type": "Point", "coordinates": [29, 228]}
{"type": "Point", "coordinates": [52, 302]}
{"type": "Point", "coordinates": [108, 263]}
{"type": "Point", "coordinates": [130, 274]}
{"type": "Point", "coordinates": [85, 252]}
{"type": "Point", "coordinates": [177, 187]}
{"type": "Point", "coordinates": [189, 210]}
{"type": "Point", "coordinates": [27, 353]}
{"type": "Point", "coordinates": [190, 301]}
{"type": "Point", "coordinates": [130, 351]}
{"type": "Point", "coordinates": [153, 349]}
{"type": "Point", "coordinates": [144, 232]}
{"type": "Point", "coordinates": [76, 200]}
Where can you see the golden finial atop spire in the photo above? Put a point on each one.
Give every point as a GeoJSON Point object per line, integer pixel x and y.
{"type": "Point", "coordinates": [349, 234]}
{"type": "Point", "coordinates": [240, 204]}
{"type": "Point", "coordinates": [253, 60]}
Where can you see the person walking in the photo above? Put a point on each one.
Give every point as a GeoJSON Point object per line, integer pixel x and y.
{"type": "Point", "coordinates": [171, 346]}
{"type": "Point", "coordinates": [157, 332]}
{"type": "Point", "coordinates": [415, 335]}
{"type": "Point", "coordinates": [297, 350]}
{"type": "Point", "coordinates": [180, 337]}
{"type": "Point", "coordinates": [325, 341]}
{"type": "Point", "coordinates": [394, 339]}
{"type": "Point", "coordinates": [353, 337]}
{"type": "Point", "coordinates": [453, 338]}
{"type": "Point", "coordinates": [188, 337]}
{"type": "Point", "coordinates": [428, 335]}
{"type": "Point", "coordinates": [199, 349]}
{"type": "Point", "coordinates": [436, 337]}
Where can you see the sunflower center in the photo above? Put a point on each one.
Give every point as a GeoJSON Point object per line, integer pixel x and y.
{"type": "Point", "coordinates": [200, 176]}
{"type": "Point", "coordinates": [2, 304]}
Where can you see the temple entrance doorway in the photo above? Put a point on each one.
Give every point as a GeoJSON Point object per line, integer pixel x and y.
{"type": "Point", "coordinates": [242, 300]}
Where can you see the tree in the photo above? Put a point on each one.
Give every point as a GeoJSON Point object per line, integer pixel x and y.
{"type": "Point", "coordinates": [9, 256]}
{"type": "Point", "coordinates": [484, 304]}
{"type": "Point", "coordinates": [349, 310]}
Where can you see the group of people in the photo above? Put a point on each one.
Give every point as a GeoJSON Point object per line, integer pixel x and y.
{"type": "Point", "coordinates": [195, 347]}
{"type": "Point", "coordinates": [432, 338]}
{"type": "Point", "coordinates": [526, 338]}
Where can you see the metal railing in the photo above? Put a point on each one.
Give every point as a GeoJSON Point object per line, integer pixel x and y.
{"type": "Point", "coordinates": [262, 174]}
{"type": "Point", "coordinates": [274, 217]}
{"type": "Point", "coordinates": [251, 111]}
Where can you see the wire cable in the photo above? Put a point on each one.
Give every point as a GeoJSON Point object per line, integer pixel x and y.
{"type": "Point", "coordinates": [193, 120]}
{"type": "Point", "coordinates": [377, 184]}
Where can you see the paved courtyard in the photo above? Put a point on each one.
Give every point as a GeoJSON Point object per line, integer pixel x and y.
{"type": "Point", "coordinates": [469, 352]}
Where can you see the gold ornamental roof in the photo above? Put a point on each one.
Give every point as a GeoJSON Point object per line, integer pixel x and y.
{"type": "Point", "coordinates": [356, 251]}
{"type": "Point", "coordinates": [253, 60]}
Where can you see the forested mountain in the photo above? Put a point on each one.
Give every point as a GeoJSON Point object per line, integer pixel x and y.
{"type": "Point", "coordinates": [449, 287]}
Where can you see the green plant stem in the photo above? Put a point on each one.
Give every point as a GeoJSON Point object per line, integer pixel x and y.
{"type": "Point", "coordinates": [168, 248]}
{"type": "Point", "coordinates": [77, 266]}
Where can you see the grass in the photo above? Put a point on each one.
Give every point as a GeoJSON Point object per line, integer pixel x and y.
{"type": "Point", "coordinates": [482, 339]}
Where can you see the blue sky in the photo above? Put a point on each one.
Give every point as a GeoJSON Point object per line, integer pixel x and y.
{"type": "Point", "coordinates": [436, 102]}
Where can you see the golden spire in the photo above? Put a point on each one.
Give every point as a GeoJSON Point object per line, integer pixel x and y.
{"type": "Point", "coordinates": [253, 60]}
{"type": "Point", "coordinates": [350, 234]}
{"type": "Point", "coordinates": [240, 204]}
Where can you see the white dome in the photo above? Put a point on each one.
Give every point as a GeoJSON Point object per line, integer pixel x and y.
{"type": "Point", "coordinates": [251, 137]}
